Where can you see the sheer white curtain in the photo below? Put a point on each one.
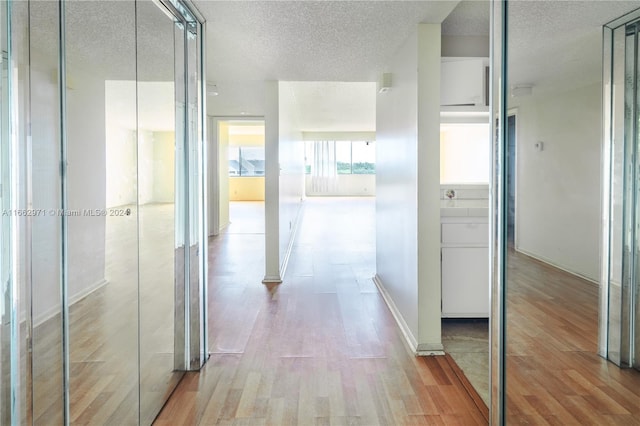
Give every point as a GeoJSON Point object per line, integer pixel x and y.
{"type": "Point", "coordinates": [324, 172]}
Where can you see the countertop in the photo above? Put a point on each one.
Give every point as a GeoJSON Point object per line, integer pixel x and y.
{"type": "Point", "coordinates": [464, 208]}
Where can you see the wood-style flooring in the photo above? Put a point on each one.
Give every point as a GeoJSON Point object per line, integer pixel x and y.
{"type": "Point", "coordinates": [120, 336]}
{"type": "Point", "coordinates": [554, 375]}
{"type": "Point", "coordinates": [322, 348]}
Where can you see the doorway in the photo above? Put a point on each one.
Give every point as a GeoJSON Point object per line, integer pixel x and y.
{"type": "Point", "coordinates": [237, 179]}
{"type": "Point", "coordinates": [237, 229]}
{"type": "Point", "coordinates": [244, 142]}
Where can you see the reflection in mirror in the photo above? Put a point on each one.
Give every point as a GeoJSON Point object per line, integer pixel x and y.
{"type": "Point", "coordinates": [465, 170]}
{"type": "Point", "coordinates": [101, 96]}
{"type": "Point", "coordinates": [160, 69]}
{"type": "Point", "coordinates": [46, 230]}
{"type": "Point", "coordinates": [18, 76]}
{"type": "Point", "coordinates": [620, 339]}
{"type": "Point", "coordinates": [8, 317]}
{"type": "Point", "coordinates": [464, 183]}
{"type": "Point", "coordinates": [553, 371]}
{"type": "Point", "coordinates": [102, 244]}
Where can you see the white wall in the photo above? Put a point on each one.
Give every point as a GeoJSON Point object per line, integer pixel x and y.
{"type": "Point", "coordinates": [408, 189]}
{"type": "Point", "coordinates": [86, 180]}
{"type": "Point", "coordinates": [156, 171]}
{"type": "Point", "coordinates": [156, 144]}
{"type": "Point", "coordinates": [558, 189]}
{"type": "Point", "coordinates": [292, 172]}
{"type": "Point", "coordinates": [223, 175]}
{"type": "Point", "coordinates": [396, 185]}
{"type": "Point", "coordinates": [164, 167]}
{"type": "Point", "coordinates": [45, 131]}
{"type": "Point", "coordinates": [466, 46]}
{"type": "Point", "coordinates": [145, 161]}
{"type": "Point", "coordinates": [349, 185]}
{"type": "Point", "coordinates": [121, 144]}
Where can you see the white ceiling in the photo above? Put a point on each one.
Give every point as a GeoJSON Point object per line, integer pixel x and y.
{"type": "Point", "coordinates": [554, 45]}
{"type": "Point", "coordinates": [557, 45]}
{"type": "Point", "coordinates": [325, 106]}
{"type": "Point", "coordinates": [320, 45]}
{"type": "Point", "coordinates": [309, 40]}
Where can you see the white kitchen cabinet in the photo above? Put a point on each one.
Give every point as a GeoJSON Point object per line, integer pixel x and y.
{"type": "Point", "coordinates": [463, 81]}
{"type": "Point", "coordinates": [465, 267]}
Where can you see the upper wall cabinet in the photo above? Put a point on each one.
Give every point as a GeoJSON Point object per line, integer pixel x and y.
{"type": "Point", "coordinates": [464, 82]}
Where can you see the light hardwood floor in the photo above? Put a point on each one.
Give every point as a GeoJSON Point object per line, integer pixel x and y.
{"type": "Point", "coordinates": [554, 375]}
{"type": "Point", "coordinates": [114, 377]}
{"type": "Point", "coordinates": [321, 348]}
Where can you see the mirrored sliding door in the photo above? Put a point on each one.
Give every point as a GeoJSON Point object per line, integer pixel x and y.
{"type": "Point", "coordinates": [106, 149]}
{"type": "Point", "coordinates": [101, 214]}
{"type": "Point", "coordinates": [46, 311]}
{"type": "Point", "coordinates": [160, 91]}
{"type": "Point", "coordinates": [620, 298]}
{"type": "Point", "coordinates": [565, 290]}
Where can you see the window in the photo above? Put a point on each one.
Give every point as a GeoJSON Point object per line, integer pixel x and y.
{"type": "Point", "coordinates": [343, 158]}
{"type": "Point", "coordinates": [246, 161]}
{"type": "Point", "coordinates": [234, 161]}
{"type": "Point", "coordinates": [465, 153]}
{"type": "Point", "coordinates": [357, 157]}
{"type": "Point", "coordinates": [308, 156]}
{"type": "Point", "coordinates": [363, 158]}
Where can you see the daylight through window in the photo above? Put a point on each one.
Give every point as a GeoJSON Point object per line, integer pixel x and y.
{"type": "Point", "coordinates": [246, 161]}
{"type": "Point", "coordinates": [351, 157]}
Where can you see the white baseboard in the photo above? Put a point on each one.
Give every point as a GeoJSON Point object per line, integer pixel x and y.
{"type": "Point", "coordinates": [87, 291]}
{"type": "Point", "coordinates": [223, 227]}
{"type": "Point", "coordinates": [430, 349]}
{"type": "Point", "coordinates": [52, 312]}
{"type": "Point", "coordinates": [404, 328]}
{"type": "Point", "coordinates": [555, 265]}
{"type": "Point", "coordinates": [292, 238]}
{"type": "Point", "coordinates": [271, 279]}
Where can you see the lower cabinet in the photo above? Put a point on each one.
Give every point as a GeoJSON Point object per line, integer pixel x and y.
{"type": "Point", "coordinates": [465, 282]}
{"type": "Point", "coordinates": [465, 267]}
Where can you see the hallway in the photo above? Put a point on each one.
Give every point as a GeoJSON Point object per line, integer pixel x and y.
{"type": "Point", "coordinates": [321, 348]}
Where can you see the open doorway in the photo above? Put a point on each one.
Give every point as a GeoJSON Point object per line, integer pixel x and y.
{"type": "Point", "coordinates": [237, 226]}
{"type": "Point", "coordinates": [246, 168]}
{"type": "Point", "coordinates": [241, 176]}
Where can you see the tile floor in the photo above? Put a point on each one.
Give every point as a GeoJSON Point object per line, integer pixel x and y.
{"type": "Point", "coordinates": [467, 341]}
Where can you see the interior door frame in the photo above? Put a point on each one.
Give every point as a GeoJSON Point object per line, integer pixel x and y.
{"type": "Point", "coordinates": [213, 210]}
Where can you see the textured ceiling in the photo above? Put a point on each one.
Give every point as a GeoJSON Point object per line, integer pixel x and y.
{"type": "Point", "coordinates": [557, 45]}
{"type": "Point", "coordinates": [101, 37]}
{"type": "Point", "coordinates": [309, 40]}
{"type": "Point", "coordinates": [334, 106]}
{"type": "Point", "coordinates": [553, 45]}
{"type": "Point", "coordinates": [469, 18]}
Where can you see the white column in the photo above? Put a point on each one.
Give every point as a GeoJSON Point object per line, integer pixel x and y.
{"type": "Point", "coordinates": [272, 184]}
{"type": "Point", "coordinates": [429, 291]}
